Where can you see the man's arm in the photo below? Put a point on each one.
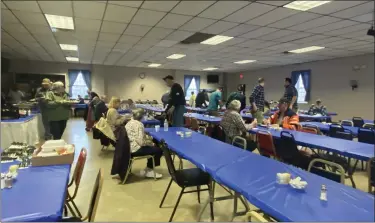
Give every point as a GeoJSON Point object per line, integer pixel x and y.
{"type": "Point", "coordinates": [172, 98]}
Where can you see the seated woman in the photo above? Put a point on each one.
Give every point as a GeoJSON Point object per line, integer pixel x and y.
{"type": "Point", "coordinates": [233, 124]}
{"type": "Point", "coordinates": [114, 119]}
{"type": "Point", "coordinates": [284, 117]}
{"type": "Point", "coordinates": [131, 104]}
{"type": "Point", "coordinates": [141, 145]}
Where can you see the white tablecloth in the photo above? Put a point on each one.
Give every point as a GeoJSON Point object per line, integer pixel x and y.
{"type": "Point", "coordinates": [29, 131]}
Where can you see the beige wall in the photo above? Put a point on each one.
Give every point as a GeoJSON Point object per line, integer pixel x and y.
{"type": "Point", "coordinates": [123, 82]}
{"type": "Point", "coordinates": [329, 82]}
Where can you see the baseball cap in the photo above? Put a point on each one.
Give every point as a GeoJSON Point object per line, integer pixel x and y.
{"type": "Point", "coordinates": [46, 81]}
{"type": "Point", "coordinates": [168, 77]}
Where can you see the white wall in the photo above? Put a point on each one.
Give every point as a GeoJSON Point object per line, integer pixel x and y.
{"type": "Point", "coordinates": [123, 82]}
{"type": "Point", "coordinates": [329, 82]}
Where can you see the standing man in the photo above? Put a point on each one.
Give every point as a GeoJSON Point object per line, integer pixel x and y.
{"type": "Point", "coordinates": [215, 102]}
{"type": "Point", "coordinates": [176, 104]}
{"type": "Point", "coordinates": [200, 100]}
{"type": "Point", "coordinates": [257, 101]}
{"type": "Point", "coordinates": [291, 94]}
{"type": "Point", "coordinates": [237, 95]}
{"type": "Point", "coordinates": [40, 97]}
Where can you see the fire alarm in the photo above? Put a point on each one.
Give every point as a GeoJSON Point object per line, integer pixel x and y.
{"type": "Point", "coordinates": [241, 76]}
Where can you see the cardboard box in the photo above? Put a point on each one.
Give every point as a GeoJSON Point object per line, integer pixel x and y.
{"type": "Point", "coordinates": [52, 160]}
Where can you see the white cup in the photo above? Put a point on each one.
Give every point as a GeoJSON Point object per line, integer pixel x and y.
{"type": "Point", "coordinates": [157, 128]}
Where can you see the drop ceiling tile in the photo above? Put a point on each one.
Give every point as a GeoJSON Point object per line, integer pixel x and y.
{"type": "Point", "coordinates": [121, 47]}
{"type": "Point", "coordinates": [294, 20]}
{"type": "Point", "coordinates": [88, 9]}
{"type": "Point", "coordinates": [141, 48]}
{"type": "Point", "coordinates": [119, 13]}
{"type": "Point", "coordinates": [3, 6]}
{"type": "Point", "coordinates": [8, 17]}
{"type": "Point", "coordinates": [129, 39]}
{"type": "Point", "coordinates": [164, 6]}
{"type": "Point", "coordinates": [14, 28]}
{"type": "Point", "coordinates": [259, 32]}
{"type": "Point", "coordinates": [26, 6]}
{"type": "Point", "coordinates": [363, 18]}
{"type": "Point", "coordinates": [349, 29]}
{"type": "Point", "coordinates": [166, 43]}
{"type": "Point", "coordinates": [277, 35]}
{"type": "Point", "coordinates": [239, 30]}
{"type": "Point", "coordinates": [148, 41]}
{"type": "Point", "coordinates": [192, 8]}
{"type": "Point", "coordinates": [108, 37]}
{"type": "Point", "coordinates": [173, 21]}
{"type": "Point", "coordinates": [355, 11]}
{"type": "Point", "coordinates": [113, 27]}
{"type": "Point", "coordinates": [158, 33]}
{"type": "Point", "coordinates": [30, 18]}
{"type": "Point", "coordinates": [333, 26]}
{"type": "Point", "coordinates": [197, 24]}
{"type": "Point", "coordinates": [250, 43]}
{"type": "Point", "coordinates": [104, 45]}
{"type": "Point", "coordinates": [324, 41]}
{"type": "Point", "coordinates": [310, 39]}
{"type": "Point", "coordinates": [134, 4]}
{"type": "Point", "coordinates": [86, 35]}
{"type": "Point", "coordinates": [137, 30]}
{"type": "Point", "coordinates": [179, 35]}
{"type": "Point", "coordinates": [219, 27]}
{"type": "Point", "coordinates": [63, 8]}
{"type": "Point", "coordinates": [277, 3]}
{"type": "Point", "coordinates": [87, 24]}
{"type": "Point", "coordinates": [321, 21]}
{"type": "Point", "coordinates": [222, 9]}
{"type": "Point", "coordinates": [249, 12]}
{"type": "Point", "coordinates": [272, 16]}
{"type": "Point", "coordinates": [147, 17]}
{"type": "Point", "coordinates": [292, 37]}
{"type": "Point", "coordinates": [335, 6]}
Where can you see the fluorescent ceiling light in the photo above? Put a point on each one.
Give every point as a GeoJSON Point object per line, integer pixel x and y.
{"type": "Point", "coordinates": [210, 68]}
{"type": "Point", "coordinates": [304, 5]}
{"type": "Point", "coordinates": [154, 65]}
{"type": "Point", "coordinates": [244, 61]}
{"type": "Point", "coordinates": [307, 49]}
{"type": "Point", "coordinates": [176, 56]}
{"type": "Point", "coordinates": [216, 40]}
{"type": "Point", "coordinates": [75, 59]}
{"type": "Point", "coordinates": [60, 22]}
{"type": "Point", "coordinates": [69, 47]}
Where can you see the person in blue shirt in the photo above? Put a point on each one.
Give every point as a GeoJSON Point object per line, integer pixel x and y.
{"type": "Point", "coordinates": [215, 102]}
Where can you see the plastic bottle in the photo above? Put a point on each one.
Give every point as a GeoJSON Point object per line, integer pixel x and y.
{"type": "Point", "coordinates": [165, 125]}
{"type": "Point", "coordinates": [323, 193]}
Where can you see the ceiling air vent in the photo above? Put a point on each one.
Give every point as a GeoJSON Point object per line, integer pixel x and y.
{"type": "Point", "coordinates": [197, 38]}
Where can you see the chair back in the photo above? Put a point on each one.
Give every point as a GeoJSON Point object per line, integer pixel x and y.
{"type": "Point", "coordinates": [371, 174]}
{"type": "Point", "coordinates": [287, 149]}
{"type": "Point", "coordinates": [334, 176]}
{"type": "Point", "coordinates": [346, 134]}
{"type": "Point", "coordinates": [202, 130]}
{"type": "Point", "coordinates": [308, 130]}
{"type": "Point", "coordinates": [239, 142]}
{"type": "Point", "coordinates": [96, 192]}
{"type": "Point", "coordinates": [347, 123]}
{"type": "Point", "coordinates": [312, 126]}
{"type": "Point", "coordinates": [369, 126]}
{"type": "Point", "coordinates": [358, 122]}
{"type": "Point", "coordinates": [265, 143]}
{"type": "Point", "coordinates": [168, 159]}
{"type": "Point", "coordinates": [366, 135]}
{"type": "Point", "coordinates": [218, 133]}
{"type": "Point", "coordinates": [194, 124]}
{"type": "Point", "coordinates": [333, 128]}
{"type": "Point", "coordinates": [77, 175]}
{"type": "Point", "coordinates": [187, 122]}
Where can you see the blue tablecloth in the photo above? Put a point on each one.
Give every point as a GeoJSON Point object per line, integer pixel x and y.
{"type": "Point", "coordinates": [255, 177]}
{"type": "Point", "coordinates": [205, 118]}
{"type": "Point", "coordinates": [150, 122]}
{"type": "Point", "coordinates": [81, 106]}
{"type": "Point", "coordinates": [38, 194]}
{"type": "Point", "coordinates": [324, 127]}
{"type": "Point", "coordinates": [150, 108]}
{"type": "Point", "coordinates": [126, 111]}
{"type": "Point", "coordinates": [23, 119]}
{"type": "Point", "coordinates": [206, 153]}
{"type": "Point", "coordinates": [353, 149]}
{"type": "Point", "coordinates": [199, 110]}
{"type": "Point", "coordinates": [369, 121]}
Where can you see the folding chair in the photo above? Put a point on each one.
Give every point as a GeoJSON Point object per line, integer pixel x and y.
{"type": "Point", "coordinates": [194, 124]}
{"type": "Point", "coordinates": [333, 128]}
{"type": "Point", "coordinates": [366, 136]}
{"type": "Point", "coordinates": [239, 142]}
{"type": "Point", "coordinates": [346, 134]}
{"type": "Point", "coordinates": [308, 130]}
{"type": "Point", "coordinates": [185, 178]}
{"type": "Point", "coordinates": [218, 133]}
{"type": "Point", "coordinates": [358, 122]}
{"type": "Point", "coordinates": [76, 180]}
{"type": "Point", "coordinates": [94, 201]}
{"type": "Point", "coordinates": [371, 174]}
{"type": "Point", "coordinates": [369, 126]}
{"type": "Point", "coordinates": [347, 123]}
{"type": "Point", "coordinates": [202, 130]}
{"type": "Point", "coordinates": [256, 216]}
{"type": "Point", "coordinates": [334, 176]}
{"type": "Point", "coordinates": [312, 126]}
{"type": "Point", "coordinates": [266, 146]}
{"type": "Point", "coordinates": [187, 122]}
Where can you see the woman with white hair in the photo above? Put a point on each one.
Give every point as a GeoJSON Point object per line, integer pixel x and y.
{"type": "Point", "coordinates": [233, 124]}
{"type": "Point", "coordinates": [58, 108]}
{"type": "Point", "coordinates": [141, 145]}
{"type": "Point", "coordinates": [114, 119]}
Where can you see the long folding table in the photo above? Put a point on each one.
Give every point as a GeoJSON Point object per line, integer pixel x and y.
{"type": "Point", "coordinates": [324, 127]}
{"type": "Point", "coordinates": [38, 194]}
{"type": "Point", "coordinates": [238, 170]}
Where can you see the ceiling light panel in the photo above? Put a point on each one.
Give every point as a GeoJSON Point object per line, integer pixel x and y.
{"type": "Point", "coordinates": [74, 59]}
{"type": "Point", "coordinates": [69, 47]}
{"type": "Point", "coordinates": [216, 40]}
{"type": "Point", "coordinates": [154, 65]}
{"type": "Point", "coordinates": [60, 22]}
{"type": "Point", "coordinates": [210, 68]}
{"type": "Point", "coordinates": [307, 49]}
{"type": "Point", "coordinates": [176, 56]}
{"type": "Point", "coordinates": [305, 5]}
{"type": "Point", "coordinates": [244, 61]}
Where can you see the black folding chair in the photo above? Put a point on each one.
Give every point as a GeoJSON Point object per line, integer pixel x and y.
{"type": "Point", "coordinates": [346, 134]}
{"type": "Point", "coordinates": [338, 175]}
{"type": "Point", "coordinates": [333, 128]}
{"type": "Point", "coordinates": [358, 122]}
{"type": "Point", "coordinates": [185, 178]}
{"type": "Point", "coordinates": [369, 126]}
{"type": "Point", "coordinates": [366, 136]}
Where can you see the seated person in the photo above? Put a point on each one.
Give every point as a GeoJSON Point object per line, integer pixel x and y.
{"type": "Point", "coordinates": [284, 117]}
{"type": "Point", "coordinates": [140, 145]}
{"type": "Point", "coordinates": [114, 119]}
{"type": "Point", "coordinates": [237, 95]}
{"type": "Point", "coordinates": [80, 100]}
{"type": "Point", "coordinates": [131, 104]}
{"type": "Point", "coordinates": [233, 124]}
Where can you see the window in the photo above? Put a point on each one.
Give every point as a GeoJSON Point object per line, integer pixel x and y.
{"type": "Point", "coordinates": [192, 88]}
{"type": "Point", "coordinates": [192, 84]}
{"type": "Point", "coordinates": [301, 81]}
{"type": "Point", "coordinates": [79, 87]}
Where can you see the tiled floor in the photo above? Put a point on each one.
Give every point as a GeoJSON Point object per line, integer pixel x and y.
{"type": "Point", "coordinates": [139, 199]}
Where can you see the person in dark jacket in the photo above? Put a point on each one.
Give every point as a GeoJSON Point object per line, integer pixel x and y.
{"type": "Point", "coordinates": [200, 100]}
{"type": "Point", "coordinates": [40, 97]}
{"type": "Point", "coordinates": [176, 104]}
{"type": "Point", "coordinates": [237, 95]}
{"type": "Point", "coordinates": [90, 119]}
